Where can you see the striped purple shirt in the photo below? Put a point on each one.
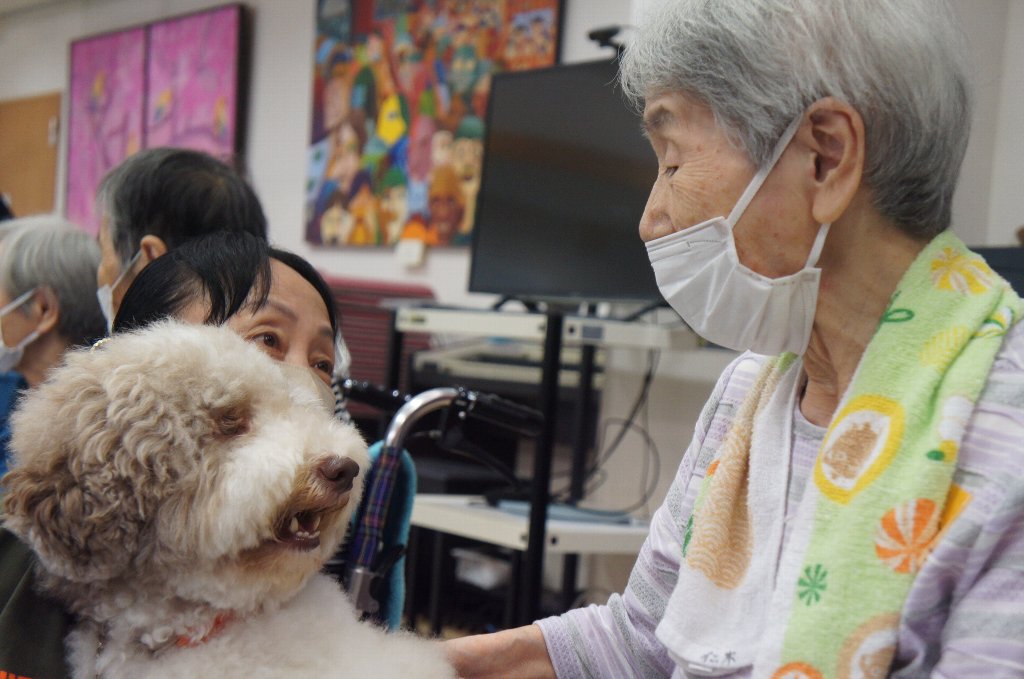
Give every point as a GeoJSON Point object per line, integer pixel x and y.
{"type": "Point", "coordinates": [964, 615]}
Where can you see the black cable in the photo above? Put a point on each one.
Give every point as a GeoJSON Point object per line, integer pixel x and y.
{"type": "Point", "coordinates": [641, 399]}
{"type": "Point", "coordinates": [641, 312]}
{"type": "Point", "coordinates": [653, 456]}
{"type": "Point", "coordinates": [645, 389]}
{"type": "Point", "coordinates": [470, 451]}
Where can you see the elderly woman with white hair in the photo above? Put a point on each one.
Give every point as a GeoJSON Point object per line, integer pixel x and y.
{"type": "Point", "coordinates": [47, 303]}
{"type": "Point", "coordinates": [852, 502]}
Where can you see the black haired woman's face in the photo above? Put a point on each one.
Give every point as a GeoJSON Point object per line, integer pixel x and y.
{"type": "Point", "coordinates": [293, 326]}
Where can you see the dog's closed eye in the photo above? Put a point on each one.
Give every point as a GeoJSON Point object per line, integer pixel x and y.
{"type": "Point", "coordinates": [231, 420]}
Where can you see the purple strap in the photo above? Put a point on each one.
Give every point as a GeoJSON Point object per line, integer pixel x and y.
{"type": "Point", "coordinates": [367, 537]}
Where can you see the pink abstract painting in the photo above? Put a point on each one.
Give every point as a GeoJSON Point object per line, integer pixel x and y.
{"type": "Point", "coordinates": [169, 83]}
{"type": "Point", "coordinates": [105, 118]}
{"type": "Point", "coordinates": [192, 82]}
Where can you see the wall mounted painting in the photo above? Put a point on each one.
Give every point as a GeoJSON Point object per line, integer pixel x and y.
{"type": "Point", "coordinates": [400, 92]}
{"type": "Point", "coordinates": [192, 76]}
{"type": "Point", "coordinates": [170, 83]}
{"type": "Point", "coordinates": [105, 114]}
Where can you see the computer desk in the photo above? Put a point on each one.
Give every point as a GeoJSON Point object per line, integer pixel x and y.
{"type": "Point", "coordinates": [554, 328]}
{"type": "Point", "coordinates": [469, 516]}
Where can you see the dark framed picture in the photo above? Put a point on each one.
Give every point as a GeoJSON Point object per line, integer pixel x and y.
{"type": "Point", "coordinates": [174, 82]}
{"type": "Point", "coordinates": [399, 102]}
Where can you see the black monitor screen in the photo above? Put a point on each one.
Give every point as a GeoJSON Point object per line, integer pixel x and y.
{"type": "Point", "coordinates": [565, 179]}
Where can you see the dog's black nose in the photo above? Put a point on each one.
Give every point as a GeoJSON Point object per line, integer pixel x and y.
{"type": "Point", "coordinates": [339, 472]}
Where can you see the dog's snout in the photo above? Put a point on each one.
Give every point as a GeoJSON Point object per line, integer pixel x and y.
{"type": "Point", "coordinates": [340, 472]}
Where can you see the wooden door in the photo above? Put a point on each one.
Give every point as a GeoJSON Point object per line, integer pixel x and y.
{"type": "Point", "coordinates": [29, 140]}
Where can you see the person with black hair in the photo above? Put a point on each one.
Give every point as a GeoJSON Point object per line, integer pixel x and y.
{"type": "Point", "coordinates": [270, 296]}
{"type": "Point", "coordinates": [159, 199]}
{"type": "Point", "coordinates": [217, 274]}
{"type": "Point", "coordinates": [162, 198]}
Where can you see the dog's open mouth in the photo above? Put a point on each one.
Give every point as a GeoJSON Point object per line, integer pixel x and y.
{"type": "Point", "coordinates": [301, 529]}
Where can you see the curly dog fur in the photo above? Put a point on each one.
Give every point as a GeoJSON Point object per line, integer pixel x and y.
{"type": "Point", "coordinates": [181, 491]}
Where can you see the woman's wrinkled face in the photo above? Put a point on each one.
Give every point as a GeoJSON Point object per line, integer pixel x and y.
{"type": "Point", "coordinates": [702, 174]}
{"type": "Point", "coordinates": [293, 326]}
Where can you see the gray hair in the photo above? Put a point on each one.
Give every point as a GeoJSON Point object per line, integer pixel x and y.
{"type": "Point", "coordinates": [759, 64]}
{"type": "Point", "coordinates": [47, 251]}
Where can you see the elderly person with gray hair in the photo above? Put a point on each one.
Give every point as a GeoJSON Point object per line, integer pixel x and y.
{"type": "Point", "coordinates": [47, 303]}
{"type": "Point", "coordinates": [851, 503]}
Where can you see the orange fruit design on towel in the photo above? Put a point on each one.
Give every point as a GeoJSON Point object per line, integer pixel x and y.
{"type": "Point", "coordinates": [906, 533]}
{"type": "Point", "coordinates": [847, 456]}
{"type": "Point", "coordinates": [868, 652]}
{"type": "Point", "coordinates": [797, 670]}
{"type": "Point", "coordinates": [722, 542]}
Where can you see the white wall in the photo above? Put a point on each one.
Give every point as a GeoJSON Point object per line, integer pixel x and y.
{"type": "Point", "coordinates": [1006, 200]}
{"type": "Point", "coordinates": [985, 23]}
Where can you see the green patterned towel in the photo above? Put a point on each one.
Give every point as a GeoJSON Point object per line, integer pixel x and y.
{"type": "Point", "coordinates": [882, 491]}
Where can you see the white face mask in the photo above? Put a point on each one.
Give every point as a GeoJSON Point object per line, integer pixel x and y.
{"type": "Point", "coordinates": [314, 391]}
{"type": "Point", "coordinates": [10, 357]}
{"type": "Point", "coordinates": [701, 277]}
{"type": "Point", "coordinates": [342, 358]}
{"type": "Point", "coordinates": [105, 293]}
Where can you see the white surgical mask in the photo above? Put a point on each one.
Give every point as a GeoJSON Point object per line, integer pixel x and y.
{"type": "Point", "coordinates": [312, 389]}
{"type": "Point", "coordinates": [701, 277]}
{"type": "Point", "coordinates": [105, 293]}
{"type": "Point", "coordinates": [342, 358]}
{"type": "Point", "coordinates": [11, 356]}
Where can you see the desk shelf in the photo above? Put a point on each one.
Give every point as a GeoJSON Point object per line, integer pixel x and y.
{"type": "Point", "coordinates": [469, 516]}
{"type": "Point", "coordinates": [533, 536]}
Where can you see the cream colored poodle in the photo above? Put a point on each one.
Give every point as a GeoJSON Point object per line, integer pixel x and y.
{"type": "Point", "coordinates": [182, 491]}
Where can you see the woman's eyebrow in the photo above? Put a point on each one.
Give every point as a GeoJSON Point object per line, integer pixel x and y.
{"type": "Point", "coordinates": [281, 308]}
{"type": "Point", "coordinates": [656, 120]}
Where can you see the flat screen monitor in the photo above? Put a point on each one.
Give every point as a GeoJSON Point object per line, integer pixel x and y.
{"type": "Point", "coordinates": [565, 179]}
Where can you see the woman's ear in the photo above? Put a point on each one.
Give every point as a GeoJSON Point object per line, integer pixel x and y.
{"type": "Point", "coordinates": [836, 139]}
{"type": "Point", "coordinates": [48, 308]}
{"type": "Point", "coordinates": [151, 247]}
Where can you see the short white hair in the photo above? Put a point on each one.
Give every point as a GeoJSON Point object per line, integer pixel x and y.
{"type": "Point", "coordinates": [758, 64]}
{"type": "Point", "coordinates": [47, 251]}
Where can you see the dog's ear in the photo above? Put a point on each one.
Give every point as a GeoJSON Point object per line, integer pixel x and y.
{"type": "Point", "coordinates": [231, 420]}
{"type": "Point", "coordinates": [70, 495]}
{"type": "Point", "coordinates": [75, 534]}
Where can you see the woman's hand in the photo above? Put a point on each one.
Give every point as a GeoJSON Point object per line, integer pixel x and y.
{"type": "Point", "coordinates": [512, 654]}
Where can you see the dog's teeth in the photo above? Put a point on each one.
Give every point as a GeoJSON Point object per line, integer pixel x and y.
{"type": "Point", "coordinates": [316, 524]}
{"type": "Point", "coordinates": [295, 525]}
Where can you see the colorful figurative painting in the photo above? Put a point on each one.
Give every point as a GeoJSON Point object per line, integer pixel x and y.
{"type": "Point", "coordinates": [105, 124]}
{"type": "Point", "coordinates": [191, 85]}
{"type": "Point", "coordinates": [400, 91]}
{"type": "Point", "coordinates": [170, 83]}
